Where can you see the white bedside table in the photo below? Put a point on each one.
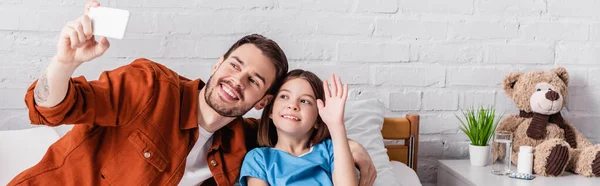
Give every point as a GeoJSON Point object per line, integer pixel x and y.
{"type": "Point", "coordinates": [461, 173]}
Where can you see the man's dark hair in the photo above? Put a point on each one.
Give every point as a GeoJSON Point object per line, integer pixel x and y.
{"type": "Point", "coordinates": [270, 49]}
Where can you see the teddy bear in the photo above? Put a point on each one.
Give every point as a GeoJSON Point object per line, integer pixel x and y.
{"type": "Point", "coordinates": [557, 145]}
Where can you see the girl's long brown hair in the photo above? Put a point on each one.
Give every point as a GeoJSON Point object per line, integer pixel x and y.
{"type": "Point", "coordinates": [267, 133]}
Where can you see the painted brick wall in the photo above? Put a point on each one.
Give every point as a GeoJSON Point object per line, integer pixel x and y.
{"type": "Point", "coordinates": [431, 57]}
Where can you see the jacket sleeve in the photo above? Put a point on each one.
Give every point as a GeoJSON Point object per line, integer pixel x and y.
{"type": "Point", "coordinates": [112, 100]}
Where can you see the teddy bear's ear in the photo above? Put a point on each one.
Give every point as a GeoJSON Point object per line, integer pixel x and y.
{"type": "Point", "coordinates": [562, 74]}
{"type": "Point", "coordinates": [509, 82]}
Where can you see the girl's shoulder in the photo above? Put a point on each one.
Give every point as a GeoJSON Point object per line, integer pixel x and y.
{"type": "Point", "coordinates": [264, 153]}
{"type": "Point", "coordinates": [259, 150]}
{"type": "Point", "coordinates": [326, 142]}
{"type": "Point", "coordinates": [259, 154]}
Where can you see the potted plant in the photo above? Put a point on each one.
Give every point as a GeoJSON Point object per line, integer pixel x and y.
{"type": "Point", "coordinates": [479, 125]}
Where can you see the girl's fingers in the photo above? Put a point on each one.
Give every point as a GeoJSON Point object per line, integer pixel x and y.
{"type": "Point", "coordinates": [339, 86]}
{"type": "Point", "coordinates": [326, 88]}
{"type": "Point", "coordinates": [320, 104]}
{"type": "Point", "coordinates": [334, 89]}
{"type": "Point", "coordinates": [345, 92]}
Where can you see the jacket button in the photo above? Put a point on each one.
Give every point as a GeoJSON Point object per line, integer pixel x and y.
{"type": "Point", "coordinates": [213, 163]}
{"type": "Point", "coordinates": [147, 154]}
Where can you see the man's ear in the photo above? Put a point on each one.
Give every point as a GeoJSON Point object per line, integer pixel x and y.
{"type": "Point", "coordinates": [263, 102]}
{"type": "Point", "coordinates": [562, 74]}
{"type": "Point", "coordinates": [217, 65]}
{"type": "Point", "coordinates": [509, 82]}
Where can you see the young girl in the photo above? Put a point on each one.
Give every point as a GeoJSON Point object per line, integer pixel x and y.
{"type": "Point", "coordinates": [295, 130]}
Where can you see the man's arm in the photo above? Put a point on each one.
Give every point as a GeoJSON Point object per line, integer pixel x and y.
{"type": "Point", "coordinates": [56, 98]}
{"type": "Point", "coordinates": [362, 159]}
{"type": "Point", "coordinates": [114, 99]}
{"type": "Point", "coordinates": [52, 86]}
{"type": "Point", "coordinates": [76, 45]}
{"type": "Point", "coordinates": [252, 181]}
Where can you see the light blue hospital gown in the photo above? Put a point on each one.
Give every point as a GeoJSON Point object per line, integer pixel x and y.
{"type": "Point", "coordinates": [278, 167]}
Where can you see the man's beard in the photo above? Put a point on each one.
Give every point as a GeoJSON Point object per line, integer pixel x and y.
{"type": "Point", "coordinates": [219, 106]}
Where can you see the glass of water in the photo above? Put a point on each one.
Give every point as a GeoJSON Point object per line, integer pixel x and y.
{"type": "Point", "coordinates": [502, 150]}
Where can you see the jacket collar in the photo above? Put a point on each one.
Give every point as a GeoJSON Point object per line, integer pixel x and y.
{"type": "Point", "coordinates": [188, 118]}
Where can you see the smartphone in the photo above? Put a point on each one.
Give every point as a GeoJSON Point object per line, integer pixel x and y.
{"type": "Point", "coordinates": [109, 22]}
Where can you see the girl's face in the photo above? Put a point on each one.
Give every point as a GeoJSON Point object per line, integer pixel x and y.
{"type": "Point", "coordinates": [295, 109]}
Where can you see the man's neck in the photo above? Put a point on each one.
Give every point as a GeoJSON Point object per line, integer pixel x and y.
{"type": "Point", "coordinates": [208, 118]}
{"type": "Point", "coordinates": [293, 146]}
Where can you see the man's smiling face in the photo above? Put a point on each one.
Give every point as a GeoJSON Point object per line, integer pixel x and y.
{"type": "Point", "coordinates": [240, 82]}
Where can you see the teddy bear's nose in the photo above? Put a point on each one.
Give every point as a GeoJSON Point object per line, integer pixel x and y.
{"type": "Point", "coordinates": [552, 96]}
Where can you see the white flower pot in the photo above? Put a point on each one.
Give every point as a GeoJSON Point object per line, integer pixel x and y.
{"type": "Point", "coordinates": [479, 155]}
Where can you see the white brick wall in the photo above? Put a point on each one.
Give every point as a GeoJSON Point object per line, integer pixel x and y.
{"type": "Point", "coordinates": [431, 57]}
{"type": "Point", "coordinates": [437, 6]}
{"type": "Point", "coordinates": [510, 7]}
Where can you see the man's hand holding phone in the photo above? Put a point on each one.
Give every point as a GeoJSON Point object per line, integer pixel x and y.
{"type": "Point", "coordinates": [77, 43]}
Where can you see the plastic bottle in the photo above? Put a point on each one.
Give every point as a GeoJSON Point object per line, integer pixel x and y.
{"type": "Point", "coordinates": [525, 161]}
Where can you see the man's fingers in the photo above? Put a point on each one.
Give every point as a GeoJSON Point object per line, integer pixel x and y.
{"type": "Point", "coordinates": [373, 175]}
{"type": "Point", "coordinates": [80, 34]}
{"type": "Point", "coordinates": [367, 175]}
{"type": "Point", "coordinates": [90, 4]}
{"type": "Point", "coordinates": [364, 179]}
{"type": "Point", "coordinates": [101, 46]}
{"type": "Point", "coordinates": [363, 173]}
{"type": "Point", "coordinates": [86, 22]}
{"type": "Point", "coordinates": [73, 37]}
{"type": "Point", "coordinates": [65, 33]}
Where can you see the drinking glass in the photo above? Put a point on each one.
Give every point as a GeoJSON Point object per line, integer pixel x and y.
{"type": "Point", "coordinates": [502, 150]}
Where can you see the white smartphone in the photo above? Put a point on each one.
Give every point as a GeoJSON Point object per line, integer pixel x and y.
{"type": "Point", "coordinates": [109, 22]}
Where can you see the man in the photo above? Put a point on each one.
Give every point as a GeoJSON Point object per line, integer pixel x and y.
{"type": "Point", "coordinates": [143, 124]}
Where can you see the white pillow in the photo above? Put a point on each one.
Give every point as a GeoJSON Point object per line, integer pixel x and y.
{"type": "Point", "coordinates": [16, 122]}
{"type": "Point", "coordinates": [22, 149]}
{"type": "Point", "coordinates": [63, 129]}
{"type": "Point", "coordinates": [404, 174]}
{"type": "Point", "coordinates": [364, 120]}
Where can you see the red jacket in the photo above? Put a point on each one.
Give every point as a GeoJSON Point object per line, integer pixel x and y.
{"type": "Point", "coordinates": [133, 126]}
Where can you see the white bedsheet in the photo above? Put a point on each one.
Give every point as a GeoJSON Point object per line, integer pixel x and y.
{"type": "Point", "coordinates": [21, 149]}
{"type": "Point", "coordinates": [405, 176]}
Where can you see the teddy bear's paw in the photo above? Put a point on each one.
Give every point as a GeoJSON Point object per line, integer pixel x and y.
{"type": "Point", "coordinates": [557, 160]}
{"type": "Point", "coordinates": [587, 161]}
{"type": "Point", "coordinates": [596, 165]}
